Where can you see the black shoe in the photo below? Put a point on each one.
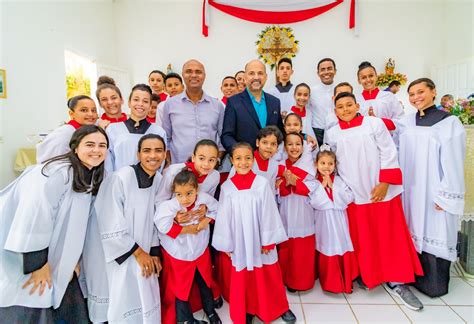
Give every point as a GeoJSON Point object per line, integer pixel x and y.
{"type": "Point", "coordinates": [214, 318]}
{"type": "Point", "coordinates": [288, 317]}
{"type": "Point", "coordinates": [361, 284]}
{"type": "Point", "coordinates": [218, 302]}
{"type": "Point", "coordinates": [291, 290]}
{"type": "Point", "coordinates": [249, 318]}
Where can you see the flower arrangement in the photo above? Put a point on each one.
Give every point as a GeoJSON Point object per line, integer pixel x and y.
{"type": "Point", "coordinates": [463, 109]}
{"type": "Point", "coordinates": [275, 43]}
{"type": "Point", "coordinates": [384, 79]}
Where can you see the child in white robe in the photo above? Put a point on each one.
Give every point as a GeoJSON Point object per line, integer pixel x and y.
{"type": "Point", "coordinates": [125, 208]}
{"type": "Point", "coordinates": [301, 98]}
{"type": "Point", "coordinates": [44, 216]}
{"type": "Point", "coordinates": [373, 102]}
{"type": "Point", "coordinates": [297, 255]}
{"type": "Point", "coordinates": [82, 111]}
{"type": "Point", "coordinates": [248, 227]}
{"type": "Point", "coordinates": [185, 246]}
{"type": "Point", "coordinates": [284, 89]}
{"type": "Point", "coordinates": [110, 100]}
{"type": "Point", "coordinates": [432, 146]}
{"type": "Point", "coordinates": [367, 161]}
{"type": "Point", "coordinates": [124, 136]}
{"type": "Point", "coordinates": [336, 262]}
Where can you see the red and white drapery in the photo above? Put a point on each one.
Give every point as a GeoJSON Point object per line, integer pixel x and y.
{"type": "Point", "coordinates": [273, 11]}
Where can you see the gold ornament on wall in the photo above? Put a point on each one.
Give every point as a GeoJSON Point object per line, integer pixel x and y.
{"type": "Point", "coordinates": [275, 43]}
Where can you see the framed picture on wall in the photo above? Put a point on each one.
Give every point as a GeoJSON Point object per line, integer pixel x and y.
{"type": "Point", "coordinates": [3, 84]}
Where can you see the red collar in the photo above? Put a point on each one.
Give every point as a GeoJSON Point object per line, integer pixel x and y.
{"type": "Point", "coordinates": [123, 117]}
{"type": "Point", "coordinates": [224, 100]}
{"type": "Point", "coordinates": [191, 207]}
{"type": "Point", "coordinates": [327, 189]}
{"type": "Point", "coordinates": [301, 113]}
{"type": "Point", "coordinates": [370, 95]}
{"type": "Point", "coordinates": [151, 120]}
{"type": "Point", "coordinates": [243, 181]}
{"type": "Point", "coordinates": [163, 96]}
{"type": "Point", "coordinates": [192, 168]}
{"type": "Point", "coordinates": [295, 170]}
{"type": "Point", "coordinates": [261, 163]}
{"type": "Point", "coordinates": [356, 121]}
{"type": "Point", "coordinates": [74, 124]}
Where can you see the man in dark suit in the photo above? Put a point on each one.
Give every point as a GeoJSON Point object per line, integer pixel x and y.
{"type": "Point", "coordinates": [252, 109]}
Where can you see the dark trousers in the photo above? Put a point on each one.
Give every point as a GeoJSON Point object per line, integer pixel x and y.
{"type": "Point", "coordinates": [183, 308]}
{"type": "Point", "coordinates": [319, 133]}
{"type": "Point", "coordinates": [435, 282]}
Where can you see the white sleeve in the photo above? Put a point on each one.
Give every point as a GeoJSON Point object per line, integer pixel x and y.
{"type": "Point", "coordinates": [166, 122]}
{"type": "Point", "coordinates": [396, 108]}
{"type": "Point", "coordinates": [56, 143]}
{"type": "Point", "coordinates": [164, 217]}
{"type": "Point", "coordinates": [113, 225]}
{"type": "Point", "coordinates": [450, 195]}
{"type": "Point", "coordinates": [319, 199]}
{"type": "Point", "coordinates": [387, 151]}
{"type": "Point", "coordinates": [164, 190]}
{"type": "Point", "coordinates": [223, 237]}
{"type": "Point", "coordinates": [271, 226]}
{"type": "Point", "coordinates": [342, 194]}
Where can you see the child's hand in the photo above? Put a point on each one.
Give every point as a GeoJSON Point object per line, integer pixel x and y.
{"type": "Point", "coordinates": [145, 261]}
{"type": "Point", "coordinates": [203, 224]}
{"type": "Point", "coordinates": [312, 141]}
{"type": "Point", "coordinates": [329, 181]}
{"type": "Point", "coordinates": [371, 111]}
{"type": "Point", "coordinates": [190, 229]}
{"type": "Point", "coordinates": [278, 183]}
{"type": "Point", "coordinates": [379, 192]}
{"type": "Point", "coordinates": [199, 213]}
{"type": "Point", "coordinates": [438, 207]}
{"type": "Point", "coordinates": [103, 123]}
{"type": "Point", "coordinates": [182, 217]}
{"type": "Point", "coordinates": [265, 251]}
{"type": "Point", "coordinates": [283, 114]}
{"type": "Point", "coordinates": [290, 178]}
{"type": "Point", "coordinates": [157, 262]}
{"type": "Point", "coordinates": [39, 279]}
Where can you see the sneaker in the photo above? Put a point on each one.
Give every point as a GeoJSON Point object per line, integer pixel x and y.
{"type": "Point", "coordinates": [218, 302]}
{"type": "Point", "coordinates": [288, 317]}
{"type": "Point", "coordinates": [361, 284]}
{"type": "Point", "coordinates": [406, 296]}
{"type": "Point", "coordinates": [214, 318]}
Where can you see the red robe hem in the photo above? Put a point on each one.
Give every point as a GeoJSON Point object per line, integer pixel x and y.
{"type": "Point", "coordinates": [336, 273]}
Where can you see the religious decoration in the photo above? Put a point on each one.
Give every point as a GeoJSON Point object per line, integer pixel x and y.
{"type": "Point", "coordinates": [274, 11]}
{"type": "Point", "coordinates": [384, 79]}
{"type": "Point", "coordinates": [169, 69]}
{"type": "Point", "coordinates": [463, 109]}
{"type": "Point", "coordinates": [275, 43]}
{"type": "Point", "coordinates": [3, 84]}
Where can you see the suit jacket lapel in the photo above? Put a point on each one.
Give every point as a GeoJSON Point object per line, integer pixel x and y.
{"type": "Point", "coordinates": [247, 103]}
{"type": "Point", "coordinates": [270, 112]}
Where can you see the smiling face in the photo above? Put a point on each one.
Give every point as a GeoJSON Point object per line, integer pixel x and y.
{"type": "Point", "coordinates": [153, 107]}
{"type": "Point", "coordinates": [139, 104]}
{"type": "Point", "coordinates": [240, 77]}
{"type": "Point", "coordinates": [92, 150]}
{"type": "Point", "coordinates": [205, 159]}
{"type": "Point", "coordinates": [326, 165]}
{"type": "Point", "coordinates": [293, 147]}
{"type": "Point", "coordinates": [229, 87]}
{"type": "Point", "coordinates": [292, 124]}
{"type": "Point", "coordinates": [242, 160]}
{"type": "Point", "coordinates": [326, 72]}
{"type": "Point", "coordinates": [421, 96]}
{"type": "Point", "coordinates": [151, 155]}
{"type": "Point", "coordinates": [267, 146]}
{"type": "Point", "coordinates": [301, 96]}
{"type": "Point", "coordinates": [111, 102]}
{"type": "Point", "coordinates": [174, 86]}
{"type": "Point", "coordinates": [186, 194]}
{"type": "Point", "coordinates": [85, 112]}
{"type": "Point", "coordinates": [367, 78]}
{"type": "Point", "coordinates": [346, 109]}
{"type": "Point", "coordinates": [284, 72]}
{"type": "Point", "coordinates": [255, 76]}
{"type": "Point", "coordinates": [156, 82]}
{"type": "Point", "coordinates": [193, 75]}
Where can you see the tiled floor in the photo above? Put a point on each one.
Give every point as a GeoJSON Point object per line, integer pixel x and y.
{"type": "Point", "coordinates": [378, 306]}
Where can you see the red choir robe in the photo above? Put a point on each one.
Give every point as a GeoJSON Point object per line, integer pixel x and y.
{"type": "Point", "coordinates": [366, 156]}
{"type": "Point", "coordinates": [247, 221]}
{"type": "Point", "coordinates": [297, 255]}
{"type": "Point", "coordinates": [336, 261]}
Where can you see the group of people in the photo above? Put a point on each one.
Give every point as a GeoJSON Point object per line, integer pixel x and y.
{"type": "Point", "coordinates": [192, 199]}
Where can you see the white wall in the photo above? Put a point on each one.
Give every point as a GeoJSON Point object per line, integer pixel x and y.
{"type": "Point", "coordinates": [33, 37]}
{"type": "Point", "coordinates": [407, 31]}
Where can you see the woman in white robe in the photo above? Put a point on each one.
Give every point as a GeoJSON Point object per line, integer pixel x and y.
{"type": "Point", "coordinates": [432, 151]}
{"type": "Point", "coordinates": [125, 207]}
{"type": "Point", "coordinates": [124, 136]}
{"type": "Point", "coordinates": [82, 111]}
{"type": "Point", "coordinates": [44, 216]}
